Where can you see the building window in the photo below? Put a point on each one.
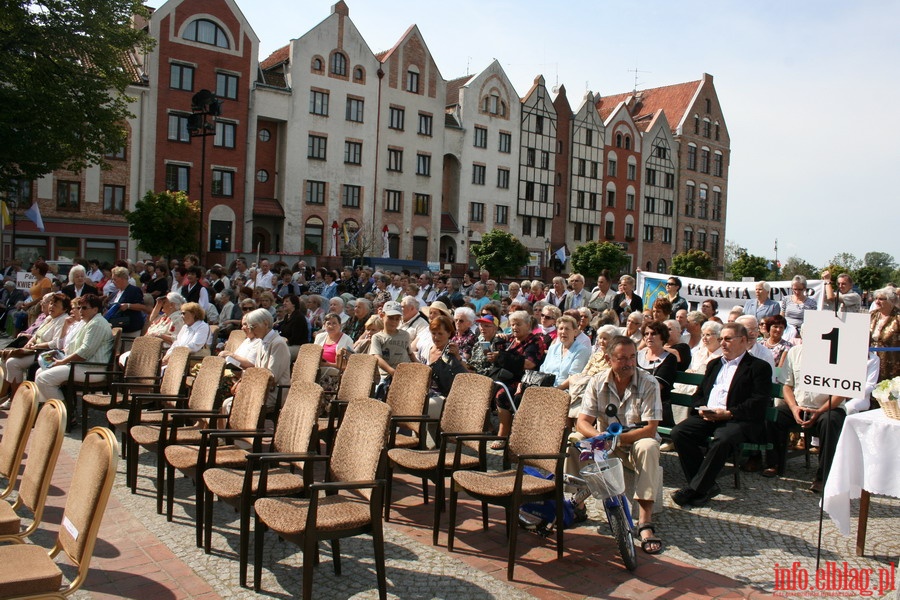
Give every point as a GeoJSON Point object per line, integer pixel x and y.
{"type": "Point", "coordinates": [696, 125]}
{"type": "Point", "coordinates": [206, 32]}
{"type": "Point", "coordinates": [181, 77]}
{"type": "Point", "coordinates": [318, 103]}
{"type": "Point", "coordinates": [503, 178]}
{"type": "Point", "coordinates": [648, 233]}
{"type": "Point", "coordinates": [262, 176]}
{"type": "Point", "coordinates": [629, 201]}
{"type": "Point", "coordinates": [582, 167]}
{"type": "Point", "coordinates": [692, 158]}
{"type": "Point", "coordinates": [662, 152]}
{"type": "Point", "coordinates": [595, 170]}
{"type": "Point", "coordinates": [701, 240]}
{"type": "Point", "coordinates": [178, 128]}
{"type": "Point", "coordinates": [397, 116]}
{"type": "Point", "coordinates": [628, 142]}
{"type": "Point", "coordinates": [350, 196]}
{"type": "Point", "coordinates": [353, 153]}
{"type": "Point", "coordinates": [670, 181]}
{"type": "Point", "coordinates": [177, 178]}
{"type": "Point", "coordinates": [529, 157]}
{"type": "Point", "coordinates": [688, 240]}
{"type": "Point", "coordinates": [526, 225]}
{"type": "Point", "coordinates": [589, 234]}
{"type": "Point", "coordinates": [717, 206]}
{"type": "Point", "coordinates": [315, 192]}
{"type": "Point", "coordinates": [579, 199]}
{"type": "Point", "coordinates": [116, 154]}
{"type": "Point", "coordinates": [717, 132]}
{"type": "Point", "coordinates": [393, 200]}
{"type": "Point", "coordinates": [650, 177]}
{"type": "Point", "coordinates": [222, 182]}
{"type": "Point", "coordinates": [476, 212]}
{"type": "Point", "coordinates": [592, 201]}
{"type": "Point", "coordinates": [703, 208]}
{"type": "Point", "coordinates": [478, 174]}
{"type": "Point", "coordinates": [339, 64]}
{"type": "Point", "coordinates": [480, 137]}
{"type": "Point", "coordinates": [423, 204]}
{"type": "Point", "coordinates": [529, 190]}
{"type": "Point", "coordinates": [576, 232]}
{"type": "Point", "coordinates": [690, 191]}
{"type": "Point", "coordinates": [539, 124]}
{"type": "Point", "coordinates": [317, 65]}
{"type": "Point", "coordinates": [649, 205]}
{"type": "Point", "coordinates": [114, 199]}
{"type": "Point", "coordinates": [689, 208]}
{"type": "Point", "coordinates": [425, 124]}
{"type": "Point", "coordinates": [359, 75]}
{"type": "Point", "coordinates": [610, 198]}
{"type": "Point", "coordinates": [714, 244]}
{"type": "Point", "coordinates": [543, 193]}
{"type": "Point", "coordinates": [704, 161]}
{"type": "Point", "coordinates": [317, 147]}
{"type": "Point", "coordinates": [412, 82]}
{"type": "Point", "coordinates": [632, 172]}
{"type": "Point", "coordinates": [667, 235]}
{"type": "Point", "coordinates": [707, 128]}
{"type": "Point", "coordinates": [265, 135]}
{"type": "Point", "coordinates": [717, 165]}
{"type": "Point", "coordinates": [611, 167]}
{"type": "Point", "coordinates": [588, 137]}
{"type": "Point", "coordinates": [618, 140]}
{"type": "Point", "coordinates": [355, 108]}
{"type": "Point", "coordinates": [505, 142]}
{"type": "Point", "coordinates": [20, 191]}
{"type": "Point", "coordinates": [610, 230]}
{"type": "Point", "coordinates": [227, 86]}
{"type": "Point", "coordinates": [629, 231]}
{"type": "Point", "coordinates": [545, 159]}
{"type": "Point", "coordinates": [668, 207]}
{"type": "Point", "coordinates": [313, 236]}
{"type": "Point", "coordinates": [501, 214]}
{"type": "Point", "coordinates": [395, 160]}
{"type": "Point", "coordinates": [225, 134]}
{"type": "Point", "coordinates": [423, 165]}
{"type": "Point", "coordinates": [540, 229]}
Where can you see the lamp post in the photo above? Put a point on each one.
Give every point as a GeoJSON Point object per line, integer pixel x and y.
{"type": "Point", "coordinates": [204, 104]}
{"type": "Point", "coordinates": [11, 205]}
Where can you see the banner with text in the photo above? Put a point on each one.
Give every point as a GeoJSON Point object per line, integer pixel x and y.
{"type": "Point", "coordinates": [727, 293]}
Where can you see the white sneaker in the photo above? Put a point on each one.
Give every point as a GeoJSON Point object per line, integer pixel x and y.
{"type": "Point", "coordinates": [666, 447]}
{"type": "Point", "coordinates": [6, 405]}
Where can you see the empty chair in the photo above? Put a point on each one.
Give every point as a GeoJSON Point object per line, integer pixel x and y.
{"type": "Point", "coordinates": [20, 420]}
{"type": "Point", "coordinates": [357, 382]}
{"type": "Point", "coordinates": [28, 571]}
{"type": "Point", "coordinates": [238, 487]}
{"type": "Point", "coordinates": [46, 440]}
{"type": "Point", "coordinates": [465, 410]}
{"type": "Point", "coordinates": [536, 440]}
{"type": "Point", "coordinates": [353, 466]}
{"type": "Point", "coordinates": [406, 397]}
{"type": "Point", "coordinates": [305, 369]}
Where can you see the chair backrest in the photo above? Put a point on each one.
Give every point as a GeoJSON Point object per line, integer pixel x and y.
{"type": "Point", "coordinates": [540, 424]}
{"type": "Point", "coordinates": [235, 339]}
{"type": "Point", "coordinates": [250, 399]}
{"type": "Point", "coordinates": [306, 367]}
{"type": "Point", "coordinates": [22, 413]}
{"type": "Point", "coordinates": [409, 391]}
{"type": "Point", "coordinates": [360, 441]}
{"type": "Point", "coordinates": [206, 384]}
{"type": "Point", "coordinates": [467, 403]}
{"type": "Point", "coordinates": [213, 336]}
{"type": "Point", "coordinates": [143, 362]}
{"type": "Point", "coordinates": [116, 349]}
{"type": "Point", "coordinates": [359, 378]}
{"type": "Point", "coordinates": [46, 441]}
{"type": "Point", "coordinates": [95, 472]}
{"type": "Point", "coordinates": [298, 417]}
{"type": "Point", "coordinates": [173, 378]}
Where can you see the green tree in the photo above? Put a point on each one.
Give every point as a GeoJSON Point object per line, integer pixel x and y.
{"type": "Point", "coordinates": [749, 265]}
{"type": "Point", "coordinates": [501, 253]}
{"type": "Point", "coordinates": [165, 224]}
{"type": "Point", "coordinates": [63, 82]}
{"type": "Point", "coordinates": [843, 262]}
{"type": "Point", "coordinates": [797, 266]}
{"type": "Point", "coordinates": [693, 263]}
{"type": "Point", "coordinates": [732, 252]}
{"type": "Point", "coordinates": [591, 258]}
{"type": "Point", "coordinates": [870, 278]}
{"type": "Point", "coordinates": [882, 261]}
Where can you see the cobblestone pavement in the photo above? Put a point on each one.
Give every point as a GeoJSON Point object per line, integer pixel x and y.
{"type": "Point", "coordinates": [726, 549]}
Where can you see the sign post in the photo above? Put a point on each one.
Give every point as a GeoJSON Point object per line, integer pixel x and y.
{"type": "Point", "coordinates": [835, 353]}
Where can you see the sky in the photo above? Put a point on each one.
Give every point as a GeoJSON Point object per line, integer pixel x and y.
{"type": "Point", "coordinates": [794, 78]}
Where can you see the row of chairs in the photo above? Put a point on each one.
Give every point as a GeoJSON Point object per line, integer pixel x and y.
{"type": "Point", "coordinates": [28, 570]}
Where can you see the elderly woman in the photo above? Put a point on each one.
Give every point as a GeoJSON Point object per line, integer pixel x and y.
{"type": "Point", "coordinates": [19, 360]}
{"type": "Point", "coordinates": [333, 340]}
{"type": "Point", "coordinates": [675, 346]}
{"type": "Point", "coordinates": [633, 325]}
{"type": "Point", "coordinates": [775, 341]}
{"type": "Point", "coordinates": [440, 348]}
{"type": "Point", "coordinates": [330, 288]}
{"type": "Point", "coordinates": [356, 324]}
{"type": "Point", "coordinates": [266, 299]}
{"type": "Point", "coordinates": [165, 321]}
{"type": "Point", "coordinates": [657, 361]}
{"type": "Point", "coordinates": [884, 329]}
{"type": "Point", "coordinates": [195, 332]}
{"type": "Point", "coordinates": [37, 290]}
{"type": "Point", "coordinates": [79, 284]}
{"type": "Point", "coordinates": [373, 325]}
{"type": "Point", "coordinates": [626, 301]}
{"type": "Point", "coordinates": [273, 353]}
{"type": "Point", "coordinates": [294, 327]}
{"type": "Point", "coordinates": [315, 312]}
{"type": "Point", "coordinates": [465, 336]}
{"type": "Point", "coordinates": [794, 307]}
{"type": "Point", "coordinates": [708, 349]}
{"type": "Point", "coordinates": [129, 303]}
{"type": "Point", "coordinates": [761, 306]}
{"type": "Point", "coordinates": [92, 343]}
{"type": "Point", "coordinates": [523, 351]}
{"type": "Point", "coordinates": [244, 356]}
{"type": "Point", "coordinates": [488, 327]}
{"type": "Point", "coordinates": [159, 286]}
{"type": "Point", "coordinates": [565, 357]}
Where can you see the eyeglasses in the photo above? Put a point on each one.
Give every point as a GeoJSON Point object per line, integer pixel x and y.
{"type": "Point", "coordinates": [725, 340]}
{"type": "Point", "coordinates": [668, 283]}
{"type": "Point", "coordinates": [546, 316]}
{"type": "Point", "coordinates": [246, 308]}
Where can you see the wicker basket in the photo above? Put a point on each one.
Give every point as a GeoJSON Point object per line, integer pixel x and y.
{"type": "Point", "coordinates": [891, 408]}
{"type": "Point", "coordinates": [606, 479]}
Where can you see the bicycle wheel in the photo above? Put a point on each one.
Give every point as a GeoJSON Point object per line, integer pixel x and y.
{"type": "Point", "coordinates": [619, 525]}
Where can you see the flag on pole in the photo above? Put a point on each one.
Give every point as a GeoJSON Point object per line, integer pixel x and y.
{"type": "Point", "coordinates": [561, 255]}
{"type": "Point", "coordinates": [34, 215]}
{"type": "Point", "coordinates": [5, 220]}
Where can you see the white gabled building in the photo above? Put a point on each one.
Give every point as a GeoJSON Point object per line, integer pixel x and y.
{"type": "Point", "coordinates": [480, 160]}
{"type": "Point", "coordinates": [535, 207]}
{"type": "Point", "coordinates": [659, 164]}
{"type": "Point", "coordinates": [586, 195]}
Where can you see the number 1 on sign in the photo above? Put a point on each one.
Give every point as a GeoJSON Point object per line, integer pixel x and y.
{"type": "Point", "coordinates": [832, 336]}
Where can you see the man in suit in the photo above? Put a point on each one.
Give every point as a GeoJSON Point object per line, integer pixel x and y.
{"type": "Point", "coordinates": [80, 284]}
{"type": "Point", "coordinates": [579, 296]}
{"type": "Point", "coordinates": [730, 406]}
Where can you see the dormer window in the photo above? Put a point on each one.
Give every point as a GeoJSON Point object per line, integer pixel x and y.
{"type": "Point", "coordinates": [206, 32]}
{"type": "Point", "coordinates": [339, 64]}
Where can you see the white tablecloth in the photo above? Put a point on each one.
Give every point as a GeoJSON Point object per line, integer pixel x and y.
{"type": "Point", "coordinates": [867, 458]}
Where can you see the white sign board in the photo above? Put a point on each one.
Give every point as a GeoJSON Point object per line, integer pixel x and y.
{"type": "Point", "coordinates": [835, 352]}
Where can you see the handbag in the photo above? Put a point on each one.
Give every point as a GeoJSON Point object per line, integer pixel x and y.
{"type": "Point", "coordinates": [444, 371]}
{"type": "Point", "coordinates": [537, 379]}
{"type": "Point", "coordinates": [116, 319]}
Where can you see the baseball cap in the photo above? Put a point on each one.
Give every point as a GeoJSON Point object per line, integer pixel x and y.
{"type": "Point", "coordinates": [392, 309]}
{"type": "Point", "coordinates": [488, 319]}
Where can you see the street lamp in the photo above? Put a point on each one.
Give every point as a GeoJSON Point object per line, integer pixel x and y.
{"type": "Point", "coordinates": [204, 104]}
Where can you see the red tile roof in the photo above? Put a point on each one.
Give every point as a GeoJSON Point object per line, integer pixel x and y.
{"type": "Point", "coordinates": [453, 87]}
{"type": "Point", "coordinates": [673, 99]}
{"type": "Point", "coordinates": [448, 224]}
{"type": "Point", "coordinates": [276, 58]}
{"type": "Point", "coordinates": [267, 207]}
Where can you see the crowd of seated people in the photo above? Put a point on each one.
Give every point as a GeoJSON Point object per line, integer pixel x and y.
{"type": "Point", "coordinates": [564, 328]}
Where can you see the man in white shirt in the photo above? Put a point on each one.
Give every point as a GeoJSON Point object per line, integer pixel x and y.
{"type": "Point", "coordinates": [413, 320]}
{"type": "Point", "coordinates": [265, 279]}
{"type": "Point", "coordinates": [754, 347]}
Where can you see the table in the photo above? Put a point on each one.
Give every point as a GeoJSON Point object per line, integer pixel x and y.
{"type": "Point", "coordinates": [866, 462]}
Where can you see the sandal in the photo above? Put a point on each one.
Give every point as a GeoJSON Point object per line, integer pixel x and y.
{"type": "Point", "coordinates": [498, 445]}
{"type": "Point", "coordinates": [769, 472]}
{"type": "Point", "coordinates": [651, 544]}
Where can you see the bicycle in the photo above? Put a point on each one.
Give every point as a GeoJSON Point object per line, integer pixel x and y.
{"type": "Point", "coordinates": [604, 479]}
